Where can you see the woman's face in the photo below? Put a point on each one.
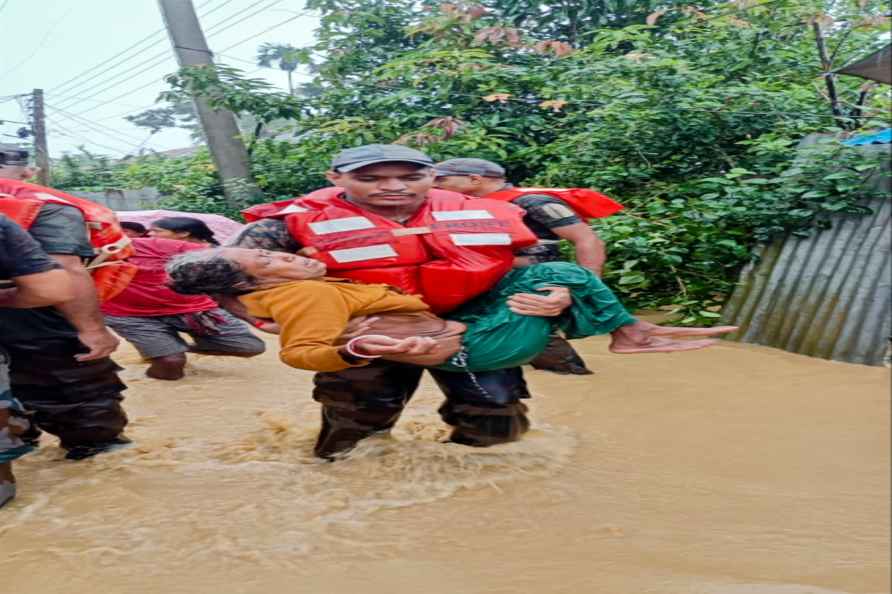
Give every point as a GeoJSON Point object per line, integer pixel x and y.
{"type": "Point", "coordinates": [168, 234]}
{"type": "Point", "coordinates": [274, 266]}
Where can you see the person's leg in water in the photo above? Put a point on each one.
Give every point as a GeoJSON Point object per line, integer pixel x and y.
{"type": "Point", "coordinates": [78, 401]}
{"type": "Point", "coordinates": [157, 340]}
{"type": "Point", "coordinates": [361, 401]}
{"type": "Point", "coordinates": [484, 408]}
{"type": "Point", "coordinates": [12, 425]}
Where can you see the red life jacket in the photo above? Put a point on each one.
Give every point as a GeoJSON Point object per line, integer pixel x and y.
{"type": "Point", "coordinates": [451, 250]}
{"type": "Point", "coordinates": [271, 210]}
{"type": "Point", "coordinates": [588, 204]}
{"type": "Point", "coordinates": [22, 201]}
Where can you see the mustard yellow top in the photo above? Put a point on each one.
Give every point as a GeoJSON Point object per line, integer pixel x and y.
{"type": "Point", "coordinates": [312, 314]}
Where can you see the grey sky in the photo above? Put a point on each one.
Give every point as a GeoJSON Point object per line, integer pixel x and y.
{"type": "Point", "coordinates": [60, 46]}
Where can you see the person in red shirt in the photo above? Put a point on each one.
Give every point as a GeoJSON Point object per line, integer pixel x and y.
{"type": "Point", "coordinates": [152, 317]}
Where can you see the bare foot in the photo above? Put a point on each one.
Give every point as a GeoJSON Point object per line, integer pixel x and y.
{"type": "Point", "coordinates": [679, 331]}
{"type": "Point", "coordinates": [657, 345]}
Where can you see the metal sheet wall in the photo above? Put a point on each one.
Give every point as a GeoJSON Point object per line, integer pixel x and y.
{"type": "Point", "coordinates": [827, 296]}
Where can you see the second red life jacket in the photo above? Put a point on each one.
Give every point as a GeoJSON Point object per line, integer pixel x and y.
{"type": "Point", "coordinates": [22, 201]}
{"type": "Point", "coordinates": [588, 204]}
{"type": "Point", "coordinates": [451, 250]}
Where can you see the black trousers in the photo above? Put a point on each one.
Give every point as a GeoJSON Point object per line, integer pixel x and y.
{"type": "Point", "coordinates": [484, 408]}
{"type": "Point", "coordinates": [78, 402]}
{"type": "Point", "coordinates": [559, 356]}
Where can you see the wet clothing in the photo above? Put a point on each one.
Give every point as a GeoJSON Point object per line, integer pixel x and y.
{"type": "Point", "coordinates": [148, 293]}
{"type": "Point", "coordinates": [484, 409]}
{"type": "Point", "coordinates": [20, 255]}
{"type": "Point", "coordinates": [78, 401]}
{"type": "Point", "coordinates": [312, 314]}
{"type": "Point", "coordinates": [496, 337]}
{"type": "Point", "coordinates": [213, 331]}
{"type": "Point", "coordinates": [13, 418]}
{"type": "Point", "coordinates": [560, 357]}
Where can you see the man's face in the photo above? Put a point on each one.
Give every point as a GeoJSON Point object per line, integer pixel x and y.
{"type": "Point", "coordinates": [386, 185]}
{"type": "Point", "coordinates": [465, 184]}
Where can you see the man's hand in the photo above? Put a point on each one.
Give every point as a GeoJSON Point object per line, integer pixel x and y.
{"type": "Point", "coordinates": [529, 304]}
{"type": "Point", "coordinates": [101, 343]}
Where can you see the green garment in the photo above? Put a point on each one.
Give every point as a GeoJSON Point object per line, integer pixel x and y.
{"type": "Point", "coordinates": [498, 338]}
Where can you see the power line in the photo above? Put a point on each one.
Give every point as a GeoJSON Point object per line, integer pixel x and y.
{"type": "Point", "coordinates": [164, 55]}
{"type": "Point", "coordinates": [265, 8]}
{"type": "Point", "coordinates": [124, 51]}
{"type": "Point", "coordinates": [125, 94]}
{"type": "Point", "coordinates": [66, 132]}
{"type": "Point", "coordinates": [159, 58]}
{"type": "Point", "coordinates": [97, 128]}
{"type": "Point", "coordinates": [285, 22]}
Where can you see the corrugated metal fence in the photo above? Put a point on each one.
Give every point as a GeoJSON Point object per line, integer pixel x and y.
{"type": "Point", "coordinates": [826, 296]}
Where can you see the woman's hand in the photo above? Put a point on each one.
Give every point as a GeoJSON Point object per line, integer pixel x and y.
{"type": "Point", "coordinates": [529, 304]}
{"type": "Point", "coordinates": [375, 345]}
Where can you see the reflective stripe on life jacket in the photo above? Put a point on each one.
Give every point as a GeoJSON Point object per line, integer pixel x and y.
{"type": "Point", "coordinates": [22, 201]}
{"type": "Point", "coordinates": [451, 250]}
{"type": "Point", "coordinates": [588, 204]}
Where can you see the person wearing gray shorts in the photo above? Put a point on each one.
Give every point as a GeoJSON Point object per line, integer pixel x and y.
{"type": "Point", "coordinates": [153, 318]}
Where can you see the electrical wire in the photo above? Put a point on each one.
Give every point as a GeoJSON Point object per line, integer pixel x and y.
{"type": "Point", "coordinates": [78, 76]}
{"type": "Point", "coordinates": [66, 132]}
{"type": "Point", "coordinates": [152, 61]}
{"type": "Point", "coordinates": [112, 100]}
{"type": "Point", "coordinates": [97, 128]}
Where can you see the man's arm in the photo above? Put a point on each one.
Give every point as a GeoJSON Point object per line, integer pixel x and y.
{"type": "Point", "coordinates": [590, 251]}
{"type": "Point", "coordinates": [83, 311]}
{"type": "Point", "coordinates": [40, 289]}
{"type": "Point", "coordinates": [37, 280]}
{"type": "Point", "coordinates": [62, 233]}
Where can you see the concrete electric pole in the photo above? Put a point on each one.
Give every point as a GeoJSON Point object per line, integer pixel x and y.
{"type": "Point", "coordinates": [220, 129]}
{"type": "Point", "coordinates": [38, 129]}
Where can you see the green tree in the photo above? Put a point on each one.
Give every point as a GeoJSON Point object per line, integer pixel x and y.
{"type": "Point", "coordinates": [286, 56]}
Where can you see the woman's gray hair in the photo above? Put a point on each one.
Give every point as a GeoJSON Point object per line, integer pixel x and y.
{"type": "Point", "coordinates": [207, 272]}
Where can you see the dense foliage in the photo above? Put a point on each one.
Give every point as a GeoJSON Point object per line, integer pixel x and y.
{"type": "Point", "coordinates": [689, 114]}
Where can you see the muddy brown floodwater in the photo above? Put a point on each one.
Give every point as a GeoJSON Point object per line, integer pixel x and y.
{"type": "Point", "coordinates": [734, 470]}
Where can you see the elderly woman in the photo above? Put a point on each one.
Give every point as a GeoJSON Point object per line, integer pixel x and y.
{"type": "Point", "coordinates": [312, 311]}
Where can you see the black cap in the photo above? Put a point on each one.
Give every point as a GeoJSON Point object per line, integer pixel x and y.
{"type": "Point", "coordinates": [13, 156]}
{"type": "Point", "coordinates": [372, 154]}
{"type": "Point", "coordinates": [469, 167]}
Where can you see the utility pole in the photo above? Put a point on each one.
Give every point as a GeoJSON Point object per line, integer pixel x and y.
{"type": "Point", "coordinates": [38, 128]}
{"type": "Point", "coordinates": [220, 129]}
